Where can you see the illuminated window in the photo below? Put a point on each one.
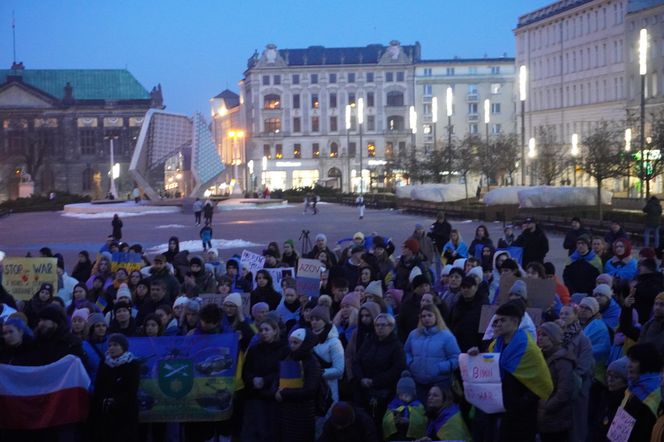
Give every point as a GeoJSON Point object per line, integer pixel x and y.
{"type": "Point", "coordinates": [351, 98]}
{"type": "Point", "coordinates": [267, 151]}
{"type": "Point", "coordinates": [395, 122]}
{"type": "Point", "coordinates": [371, 149]}
{"type": "Point", "coordinates": [272, 125]}
{"type": "Point", "coordinates": [389, 151]}
{"type": "Point", "coordinates": [279, 151]}
{"type": "Point", "coordinates": [315, 104]}
{"type": "Point", "coordinates": [315, 150]}
{"type": "Point", "coordinates": [495, 88]}
{"type": "Point", "coordinates": [297, 151]}
{"type": "Point", "coordinates": [334, 150]}
{"type": "Point", "coordinates": [272, 101]}
{"type": "Point", "coordinates": [426, 129]}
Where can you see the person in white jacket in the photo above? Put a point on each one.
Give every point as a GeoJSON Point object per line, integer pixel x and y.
{"type": "Point", "coordinates": [328, 351]}
{"type": "Point", "coordinates": [66, 284]}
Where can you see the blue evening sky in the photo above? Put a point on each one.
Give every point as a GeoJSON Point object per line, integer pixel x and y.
{"type": "Point", "coordinates": [197, 48]}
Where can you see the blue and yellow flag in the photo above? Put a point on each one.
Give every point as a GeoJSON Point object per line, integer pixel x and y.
{"type": "Point", "coordinates": [413, 411]}
{"type": "Point", "coordinates": [647, 390]}
{"type": "Point", "coordinates": [291, 374]}
{"type": "Point", "coordinates": [102, 303]}
{"type": "Point", "coordinates": [524, 360]}
{"type": "Point", "coordinates": [449, 425]}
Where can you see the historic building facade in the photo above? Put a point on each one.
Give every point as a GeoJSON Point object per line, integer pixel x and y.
{"type": "Point", "coordinates": [58, 126]}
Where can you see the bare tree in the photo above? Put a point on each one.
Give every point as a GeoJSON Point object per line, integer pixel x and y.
{"type": "Point", "coordinates": [552, 156]}
{"type": "Point", "coordinates": [507, 156]}
{"type": "Point", "coordinates": [487, 159]}
{"type": "Point", "coordinates": [602, 156]}
{"type": "Point", "coordinates": [653, 161]}
{"type": "Point", "coordinates": [464, 158]}
{"type": "Point", "coordinates": [435, 163]}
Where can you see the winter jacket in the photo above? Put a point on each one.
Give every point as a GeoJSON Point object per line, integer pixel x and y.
{"type": "Point", "coordinates": [535, 245]}
{"type": "Point", "coordinates": [450, 248]}
{"type": "Point", "coordinates": [409, 316]}
{"type": "Point", "coordinates": [611, 314]}
{"type": "Point", "coordinates": [382, 361]}
{"type": "Point", "coordinates": [618, 268]}
{"type": "Point", "coordinates": [117, 420]}
{"type": "Point", "coordinates": [440, 234]}
{"type": "Point", "coordinates": [611, 237]}
{"type": "Point", "coordinates": [265, 294]}
{"type": "Point", "coordinates": [313, 254]}
{"type": "Point", "coordinates": [580, 346]}
{"type": "Point", "coordinates": [427, 247]}
{"type": "Point", "coordinates": [172, 284]}
{"type": "Point", "coordinates": [432, 355]}
{"type": "Point", "coordinates": [204, 282]}
{"type": "Point", "coordinates": [569, 243]}
{"type": "Point", "coordinates": [66, 290]}
{"type": "Point", "coordinates": [95, 353]}
{"type": "Point", "coordinates": [330, 355]}
{"type": "Point", "coordinates": [117, 228]}
{"type": "Point", "coordinates": [555, 413]}
{"type": "Point", "coordinates": [598, 334]}
{"type": "Point", "coordinates": [404, 268]}
{"type": "Point", "coordinates": [652, 331]}
{"type": "Point", "coordinates": [262, 361]}
{"type": "Point", "coordinates": [465, 321]}
{"type": "Point", "coordinates": [484, 242]}
{"type": "Point", "coordinates": [581, 271]}
{"type": "Point", "coordinates": [645, 419]}
{"type": "Point", "coordinates": [653, 211]}
{"type": "Point", "coordinates": [648, 285]}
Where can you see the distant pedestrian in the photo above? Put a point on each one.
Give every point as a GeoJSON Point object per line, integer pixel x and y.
{"type": "Point", "coordinates": [208, 211]}
{"type": "Point", "coordinates": [136, 194]}
{"type": "Point", "coordinates": [116, 223]}
{"type": "Point", "coordinates": [198, 209]}
{"type": "Point", "coordinates": [314, 202]}
{"type": "Point", "coordinates": [359, 202]}
{"type": "Point", "coordinates": [206, 236]}
{"type": "Point", "coordinates": [307, 200]}
{"type": "Point", "coordinates": [653, 218]}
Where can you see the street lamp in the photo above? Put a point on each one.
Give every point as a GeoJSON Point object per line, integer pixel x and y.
{"type": "Point", "coordinates": [360, 121]}
{"type": "Point", "coordinates": [628, 148]}
{"type": "Point", "coordinates": [532, 154]}
{"type": "Point", "coordinates": [347, 117]}
{"type": "Point", "coordinates": [112, 189]}
{"type": "Point", "coordinates": [264, 170]}
{"type": "Point", "coordinates": [434, 118]}
{"type": "Point", "coordinates": [449, 97]}
{"type": "Point", "coordinates": [523, 78]}
{"type": "Point", "coordinates": [487, 117]}
{"type": "Point", "coordinates": [236, 157]}
{"type": "Point", "coordinates": [575, 152]}
{"type": "Point", "coordinates": [643, 69]}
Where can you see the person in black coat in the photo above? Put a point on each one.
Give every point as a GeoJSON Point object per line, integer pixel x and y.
{"type": "Point", "coordinates": [409, 312]}
{"type": "Point", "coordinates": [297, 391]}
{"type": "Point", "coordinates": [615, 233]}
{"type": "Point", "coordinates": [116, 223]}
{"type": "Point", "coordinates": [264, 291]}
{"type": "Point", "coordinates": [571, 236]}
{"type": "Point", "coordinates": [440, 231]}
{"type": "Point", "coordinates": [649, 283]}
{"type": "Point", "coordinates": [114, 402]}
{"type": "Point", "coordinates": [260, 374]}
{"type": "Point", "coordinates": [53, 340]}
{"type": "Point", "coordinates": [465, 315]}
{"type": "Point", "coordinates": [534, 242]}
{"type": "Point", "coordinates": [377, 367]}
{"type": "Point", "coordinates": [83, 268]}
{"type": "Point", "coordinates": [348, 424]}
{"type": "Point", "coordinates": [481, 238]}
{"type": "Point", "coordinates": [582, 268]}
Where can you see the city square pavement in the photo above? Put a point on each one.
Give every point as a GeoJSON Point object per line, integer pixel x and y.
{"type": "Point", "coordinates": [28, 232]}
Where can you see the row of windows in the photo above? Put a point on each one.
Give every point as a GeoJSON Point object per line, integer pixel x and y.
{"type": "Point", "coordinates": [581, 93]}
{"type": "Point", "coordinates": [90, 140]}
{"type": "Point", "coordinates": [273, 101]}
{"type": "Point", "coordinates": [471, 70]}
{"type": "Point", "coordinates": [332, 78]}
{"type": "Point", "coordinates": [578, 60]}
{"type": "Point", "coordinates": [297, 150]}
{"type": "Point", "coordinates": [473, 89]}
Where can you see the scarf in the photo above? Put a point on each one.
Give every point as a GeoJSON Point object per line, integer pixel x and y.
{"type": "Point", "coordinates": [570, 332]}
{"type": "Point", "coordinates": [120, 360]}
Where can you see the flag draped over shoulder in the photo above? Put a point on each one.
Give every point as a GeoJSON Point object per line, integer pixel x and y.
{"type": "Point", "coordinates": [647, 390]}
{"type": "Point", "coordinates": [413, 411]}
{"type": "Point", "coordinates": [44, 396]}
{"type": "Point", "coordinates": [291, 374]}
{"type": "Point", "coordinates": [449, 425]}
{"type": "Point", "coordinates": [524, 360]}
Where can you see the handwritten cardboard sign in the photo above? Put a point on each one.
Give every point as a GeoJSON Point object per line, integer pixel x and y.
{"type": "Point", "coordinates": [22, 277]}
{"type": "Point", "coordinates": [218, 298]}
{"type": "Point", "coordinates": [253, 261]}
{"type": "Point", "coordinates": [488, 312]}
{"type": "Point", "coordinates": [482, 385]}
{"type": "Point", "coordinates": [621, 426]}
{"type": "Point", "coordinates": [541, 292]}
{"type": "Point", "coordinates": [308, 277]}
{"type": "Point", "coordinates": [278, 276]}
{"type": "Point", "coordinates": [486, 397]}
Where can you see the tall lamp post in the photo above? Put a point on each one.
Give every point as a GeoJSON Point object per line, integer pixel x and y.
{"type": "Point", "coordinates": [487, 119]}
{"type": "Point", "coordinates": [575, 153]}
{"type": "Point", "coordinates": [237, 158]}
{"type": "Point", "coordinates": [643, 69]}
{"type": "Point", "coordinates": [628, 148]}
{"type": "Point", "coordinates": [434, 119]}
{"type": "Point", "coordinates": [449, 98]}
{"type": "Point", "coordinates": [360, 121]}
{"type": "Point", "coordinates": [113, 172]}
{"type": "Point", "coordinates": [523, 78]}
{"type": "Point", "coordinates": [347, 117]}
{"type": "Point", "coordinates": [532, 154]}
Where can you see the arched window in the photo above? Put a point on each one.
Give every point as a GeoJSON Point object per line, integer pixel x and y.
{"type": "Point", "coordinates": [272, 101]}
{"type": "Point", "coordinates": [334, 150]}
{"type": "Point", "coordinates": [395, 98]}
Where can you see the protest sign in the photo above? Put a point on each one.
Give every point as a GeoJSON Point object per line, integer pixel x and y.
{"type": "Point", "coordinates": [278, 275]}
{"type": "Point", "coordinates": [541, 292]}
{"type": "Point", "coordinates": [129, 261]}
{"type": "Point", "coordinates": [308, 277]}
{"type": "Point", "coordinates": [621, 426]}
{"type": "Point", "coordinates": [218, 298]}
{"type": "Point", "coordinates": [22, 277]}
{"type": "Point", "coordinates": [481, 381]}
{"type": "Point", "coordinates": [488, 311]}
{"type": "Point", "coordinates": [253, 261]}
{"type": "Point", "coordinates": [186, 378]}
{"type": "Point", "coordinates": [486, 397]}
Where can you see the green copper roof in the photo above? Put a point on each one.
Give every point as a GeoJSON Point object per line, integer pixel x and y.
{"type": "Point", "coordinates": [87, 84]}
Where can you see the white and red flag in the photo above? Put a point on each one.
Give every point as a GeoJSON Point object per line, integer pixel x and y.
{"type": "Point", "coordinates": [44, 396]}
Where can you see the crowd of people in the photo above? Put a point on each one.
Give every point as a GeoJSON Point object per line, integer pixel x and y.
{"type": "Point", "coordinates": [376, 352]}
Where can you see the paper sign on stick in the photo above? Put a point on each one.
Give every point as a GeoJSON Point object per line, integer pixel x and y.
{"type": "Point", "coordinates": [621, 426]}
{"type": "Point", "coordinates": [308, 277]}
{"type": "Point", "coordinates": [22, 277]}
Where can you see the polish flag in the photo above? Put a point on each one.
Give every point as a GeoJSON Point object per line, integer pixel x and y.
{"type": "Point", "coordinates": [44, 396]}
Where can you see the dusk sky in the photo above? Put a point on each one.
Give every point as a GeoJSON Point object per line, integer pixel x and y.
{"type": "Point", "coordinates": [197, 48]}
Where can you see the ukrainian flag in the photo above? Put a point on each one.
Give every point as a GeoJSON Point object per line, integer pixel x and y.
{"type": "Point", "coordinates": [524, 360]}
{"type": "Point", "coordinates": [415, 413]}
{"type": "Point", "coordinates": [449, 425]}
{"type": "Point", "coordinates": [102, 303]}
{"type": "Point", "coordinates": [291, 374]}
{"type": "Point", "coordinates": [647, 390]}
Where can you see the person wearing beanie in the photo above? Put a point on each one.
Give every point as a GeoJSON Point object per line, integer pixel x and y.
{"type": "Point", "coordinates": [328, 349]}
{"type": "Point", "coordinates": [258, 311]}
{"type": "Point", "coordinates": [583, 266]}
{"type": "Point", "coordinates": [409, 313]}
{"type": "Point", "coordinates": [373, 290]}
{"type": "Point", "coordinates": [598, 333]}
{"type": "Point", "coordinates": [79, 323]}
{"type": "Point", "coordinates": [114, 407]}
{"type": "Point", "coordinates": [198, 279]}
{"type": "Point", "coordinates": [649, 283]}
{"type": "Point", "coordinates": [363, 331]}
{"type": "Point", "coordinates": [53, 339]}
{"type": "Point", "coordinates": [18, 342]}
{"type": "Point", "coordinates": [464, 317]}
{"type": "Point", "coordinates": [608, 307]}
{"type": "Point", "coordinates": [320, 245]}
{"type": "Point", "coordinates": [346, 319]}
{"type": "Point", "coordinates": [616, 382]}
{"type": "Point", "coordinates": [232, 320]}
{"type": "Point", "coordinates": [348, 423]}
{"type": "Point", "coordinates": [534, 242]}
{"type": "Point", "coordinates": [405, 418]}
{"type": "Point", "coordinates": [122, 320]}
{"type": "Point", "coordinates": [555, 412]}
{"type": "Point", "coordinates": [569, 243]}
{"type": "Point", "coordinates": [123, 293]}
{"type": "Point", "coordinates": [440, 232]}
{"type": "Point", "coordinates": [37, 303]}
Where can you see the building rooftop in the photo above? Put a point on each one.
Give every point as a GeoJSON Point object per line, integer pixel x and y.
{"type": "Point", "coordinates": [230, 98]}
{"type": "Point", "coordinates": [87, 84]}
{"type": "Point", "coordinates": [638, 5]}
{"type": "Point", "coordinates": [549, 11]}
{"type": "Point", "coordinates": [320, 55]}
{"type": "Point", "coordinates": [468, 60]}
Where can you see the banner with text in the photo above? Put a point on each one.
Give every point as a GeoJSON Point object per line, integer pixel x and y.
{"type": "Point", "coordinates": [278, 275]}
{"type": "Point", "coordinates": [186, 378]}
{"type": "Point", "coordinates": [22, 277]}
{"type": "Point", "coordinates": [482, 385]}
{"type": "Point", "coordinates": [308, 277]}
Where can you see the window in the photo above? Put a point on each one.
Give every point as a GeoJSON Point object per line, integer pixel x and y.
{"type": "Point", "coordinates": [332, 78]}
{"type": "Point", "coordinates": [87, 140]}
{"type": "Point", "coordinates": [472, 70]}
{"type": "Point", "coordinates": [389, 76]}
{"type": "Point", "coordinates": [295, 79]}
{"type": "Point", "coordinates": [272, 125]}
{"type": "Point", "coordinates": [334, 150]}
{"type": "Point", "coordinates": [352, 149]}
{"type": "Point", "coordinates": [472, 108]}
{"type": "Point", "coordinates": [272, 101]}
{"type": "Point", "coordinates": [297, 151]}
{"type": "Point", "coordinates": [472, 89]}
{"type": "Point", "coordinates": [333, 124]}
{"type": "Point", "coordinates": [351, 98]}
{"type": "Point", "coordinates": [395, 122]}
{"type": "Point", "coordinates": [371, 149]}
{"type": "Point", "coordinates": [315, 104]}
{"type": "Point", "coordinates": [496, 129]}
{"type": "Point", "coordinates": [315, 124]}
{"type": "Point", "coordinates": [395, 98]}
{"type": "Point", "coordinates": [495, 88]}
{"type": "Point", "coordinates": [371, 122]}
{"type": "Point", "coordinates": [267, 151]}
{"type": "Point", "coordinates": [370, 77]}
{"type": "Point", "coordinates": [495, 70]}
{"type": "Point", "coordinates": [315, 150]}
{"type": "Point", "coordinates": [370, 99]}
{"type": "Point", "coordinates": [427, 72]}
{"type": "Point", "coordinates": [296, 101]}
{"type": "Point", "coordinates": [427, 129]}
{"type": "Point", "coordinates": [449, 71]}
{"type": "Point", "coordinates": [297, 124]}
{"type": "Point", "coordinates": [266, 80]}
{"type": "Point", "coordinates": [47, 142]}
{"type": "Point", "coordinates": [333, 100]}
{"type": "Point", "coordinates": [400, 76]}
{"type": "Point", "coordinates": [16, 141]}
{"type": "Point", "coordinates": [276, 80]}
{"type": "Point", "coordinates": [351, 77]}
{"type": "Point", "coordinates": [495, 108]}
{"type": "Point", "coordinates": [473, 129]}
{"type": "Point", "coordinates": [389, 151]}
{"type": "Point", "coordinates": [279, 151]}
{"type": "Point", "coordinates": [426, 109]}
{"type": "Point", "coordinates": [427, 90]}
{"type": "Point", "coordinates": [314, 78]}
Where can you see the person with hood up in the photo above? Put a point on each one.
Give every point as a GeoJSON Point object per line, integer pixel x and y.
{"type": "Point", "coordinates": [116, 223]}
{"type": "Point", "coordinates": [427, 247]}
{"type": "Point", "coordinates": [653, 220]}
{"type": "Point", "coordinates": [198, 280]}
{"type": "Point", "coordinates": [173, 249]}
{"type": "Point", "coordinates": [96, 345]}
{"type": "Point", "coordinates": [237, 282]}
{"type": "Point", "coordinates": [299, 378]}
{"type": "Point", "coordinates": [122, 321]}
{"type": "Point", "coordinates": [534, 242]}
{"type": "Point", "coordinates": [582, 268]}
{"type": "Point", "coordinates": [364, 331]}
{"type": "Point", "coordinates": [114, 402]}
{"type": "Point", "coordinates": [37, 303]}
{"type": "Point", "coordinates": [622, 265]}
{"type": "Point", "coordinates": [206, 236]}
{"type": "Point", "coordinates": [554, 420]}
{"type": "Point", "coordinates": [264, 291]}
{"type": "Point", "coordinates": [328, 350]}
{"type": "Point", "coordinates": [616, 382]}
{"type": "Point", "coordinates": [569, 243]}
{"type": "Point", "coordinates": [83, 267]}
{"type": "Point", "coordinates": [455, 248]}
{"type": "Point", "coordinates": [440, 232]}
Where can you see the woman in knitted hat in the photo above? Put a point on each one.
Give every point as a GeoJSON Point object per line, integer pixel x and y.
{"type": "Point", "coordinates": [616, 382]}
{"type": "Point", "coordinates": [18, 342]}
{"type": "Point", "coordinates": [232, 320]}
{"type": "Point", "coordinates": [79, 323]}
{"type": "Point", "coordinates": [37, 303]}
{"type": "Point", "coordinates": [346, 319]}
{"type": "Point", "coordinates": [328, 350]}
{"type": "Point", "coordinates": [96, 345]}
{"type": "Point", "coordinates": [114, 402]}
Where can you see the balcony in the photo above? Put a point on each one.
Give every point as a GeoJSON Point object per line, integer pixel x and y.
{"type": "Point", "coordinates": [398, 132]}
{"type": "Point", "coordinates": [279, 134]}
{"type": "Point", "coordinates": [472, 98]}
{"type": "Point", "coordinates": [472, 118]}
